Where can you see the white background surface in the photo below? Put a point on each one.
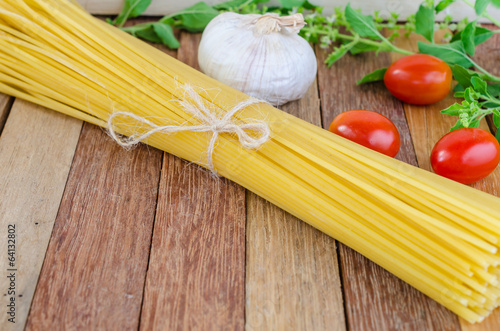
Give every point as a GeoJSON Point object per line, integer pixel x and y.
{"type": "Point", "coordinates": [458, 10]}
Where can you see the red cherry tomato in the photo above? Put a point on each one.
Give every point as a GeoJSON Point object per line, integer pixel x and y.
{"type": "Point", "coordinates": [465, 155]}
{"type": "Point", "coordinates": [419, 79]}
{"type": "Point", "coordinates": [369, 129]}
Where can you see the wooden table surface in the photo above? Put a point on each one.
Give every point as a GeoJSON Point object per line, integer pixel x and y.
{"type": "Point", "coordinates": [109, 239]}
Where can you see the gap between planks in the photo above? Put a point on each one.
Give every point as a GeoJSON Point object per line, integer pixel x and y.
{"type": "Point", "coordinates": [285, 217]}
{"type": "Point", "coordinates": [196, 275]}
{"type": "Point", "coordinates": [5, 106]}
{"type": "Point", "coordinates": [428, 125]}
{"type": "Point", "coordinates": [94, 269]}
{"type": "Point", "coordinates": [293, 277]}
{"type": "Point", "coordinates": [374, 298]}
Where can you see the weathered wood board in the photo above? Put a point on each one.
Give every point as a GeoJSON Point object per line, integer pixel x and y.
{"type": "Point", "coordinates": [36, 153]}
{"type": "Point", "coordinates": [143, 240]}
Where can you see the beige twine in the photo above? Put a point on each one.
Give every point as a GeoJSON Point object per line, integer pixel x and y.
{"type": "Point", "coordinates": [209, 122]}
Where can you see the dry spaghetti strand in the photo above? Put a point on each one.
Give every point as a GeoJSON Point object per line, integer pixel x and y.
{"type": "Point", "coordinates": [439, 236]}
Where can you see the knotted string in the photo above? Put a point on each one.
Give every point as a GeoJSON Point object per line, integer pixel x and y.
{"type": "Point", "coordinates": [209, 121]}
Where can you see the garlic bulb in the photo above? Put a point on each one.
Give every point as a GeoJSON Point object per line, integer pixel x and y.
{"type": "Point", "coordinates": [261, 55]}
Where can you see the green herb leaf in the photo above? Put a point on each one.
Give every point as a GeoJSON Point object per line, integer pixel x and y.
{"type": "Point", "coordinates": [496, 121]}
{"type": "Point", "coordinates": [457, 126]}
{"type": "Point", "coordinates": [494, 90]}
{"type": "Point", "coordinates": [166, 34]}
{"type": "Point", "coordinates": [480, 35]}
{"type": "Point", "coordinates": [480, 6]}
{"type": "Point", "coordinates": [469, 95]}
{"type": "Point", "coordinates": [424, 22]}
{"type": "Point", "coordinates": [488, 104]}
{"type": "Point", "coordinates": [237, 4]}
{"type": "Point", "coordinates": [462, 75]}
{"type": "Point", "coordinates": [290, 4]}
{"type": "Point", "coordinates": [337, 53]}
{"type": "Point", "coordinates": [361, 24]}
{"type": "Point", "coordinates": [474, 124]}
{"type": "Point", "coordinates": [468, 35]}
{"type": "Point", "coordinates": [479, 85]}
{"type": "Point", "coordinates": [443, 4]}
{"type": "Point", "coordinates": [374, 76]}
{"type": "Point", "coordinates": [148, 34]}
{"type": "Point", "coordinates": [196, 17]}
{"type": "Point", "coordinates": [458, 89]}
{"type": "Point", "coordinates": [453, 110]}
{"type": "Point", "coordinates": [231, 4]}
{"type": "Point", "coordinates": [497, 4]}
{"type": "Point", "coordinates": [131, 8]}
{"type": "Point", "coordinates": [452, 53]}
{"type": "Point", "coordinates": [362, 47]}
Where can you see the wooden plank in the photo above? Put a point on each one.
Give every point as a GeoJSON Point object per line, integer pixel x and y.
{"type": "Point", "coordinates": [487, 56]}
{"type": "Point", "coordinates": [96, 262]}
{"type": "Point", "coordinates": [100, 222]}
{"type": "Point", "coordinates": [293, 278]}
{"type": "Point", "coordinates": [36, 150]}
{"type": "Point", "coordinates": [428, 125]}
{"type": "Point", "coordinates": [489, 324]}
{"type": "Point", "coordinates": [196, 272]}
{"type": "Point", "coordinates": [374, 298]}
{"type": "Point", "coordinates": [94, 271]}
{"type": "Point", "coordinates": [5, 104]}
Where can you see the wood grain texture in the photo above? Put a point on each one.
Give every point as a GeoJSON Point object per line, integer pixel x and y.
{"type": "Point", "coordinates": [5, 104]}
{"type": "Point", "coordinates": [196, 270]}
{"type": "Point", "coordinates": [293, 278]}
{"type": "Point", "coordinates": [196, 275]}
{"type": "Point", "coordinates": [374, 298]}
{"type": "Point", "coordinates": [488, 56]}
{"type": "Point", "coordinates": [95, 267]}
{"type": "Point", "coordinates": [428, 125]}
{"type": "Point", "coordinates": [36, 151]}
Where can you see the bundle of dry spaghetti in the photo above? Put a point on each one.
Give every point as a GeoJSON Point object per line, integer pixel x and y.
{"type": "Point", "coordinates": [437, 235]}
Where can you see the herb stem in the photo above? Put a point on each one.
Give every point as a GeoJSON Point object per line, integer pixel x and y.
{"type": "Point", "coordinates": [492, 19]}
{"type": "Point", "coordinates": [134, 28]}
{"type": "Point", "coordinates": [492, 100]}
{"type": "Point", "coordinates": [490, 77]}
{"type": "Point", "coordinates": [333, 34]}
{"type": "Point", "coordinates": [488, 16]}
{"type": "Point", "coordinates": [244, 4]}
{"type": "Point", "coordinates": [376, 43]}
{"type": "Point", "coordinates": [165, 19]}
{"type": "Point", "coordinates": [127, 14]}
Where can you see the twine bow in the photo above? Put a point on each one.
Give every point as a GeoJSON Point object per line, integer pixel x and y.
{"type": "Point", "coordinates": [209, 121]}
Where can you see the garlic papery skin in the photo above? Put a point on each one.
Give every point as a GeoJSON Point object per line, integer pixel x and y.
{"type": "Point", "coordinates": [261, 55]}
